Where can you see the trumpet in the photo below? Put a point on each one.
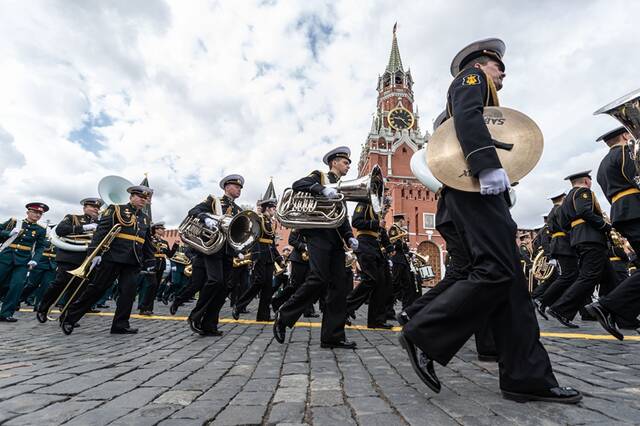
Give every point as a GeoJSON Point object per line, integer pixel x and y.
{"type": "Point", "coordinates": [181, 258]}
{"type": "Point", "coordinates": [246, 261]}
{"type": "Point", "coordinates": [279, 268]}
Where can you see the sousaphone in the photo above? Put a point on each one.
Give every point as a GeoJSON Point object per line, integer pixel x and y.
{"type": "Point", "coordinates": [517, 138]}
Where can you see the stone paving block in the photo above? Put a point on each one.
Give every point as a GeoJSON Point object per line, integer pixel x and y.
{"type": "Point", "coordinates": [326, 398]}
{"type": "Point", "coordinates": [251, 398]}
{"type": "Point", "coordinates": [368, 405]}
{"type": "Point", "coordinates": [427, 414]}
{"type": "Point", "coordinates": [49, 379]}
{"type": "Point", "coordinates": [167, 379]}
{"type": "Point", "coordinates": [177, 397]}
{"type": "Point", "coordinates": [57, 413]}
{"type": "Point", "coordinates": [180, 422]}
{"type": "Point", "coordinates": [106, 391]}
{"type": "Point", "coordinates": [240, 415]}
{"type": "Point", "coordinates": [263, 385]}
{"type": "Point", "coordinates": [11, 391]}
{"type": "Point", "coordinates": [290, 395]}
{"type": "Point", "coordinates": [332, 416]}
{"type": "Point", "coordinates": [202, 410]}
{"type": "Point", "coordinates": [381, 419]}
{"type": "Point", "coordinates": [27, 403]}
{"type": "Point", "coordinates": [286, 412]}
{"type": "Point", "coordinates": [147, 416]}
{"type": "Point", "coordinates": [294, 380]}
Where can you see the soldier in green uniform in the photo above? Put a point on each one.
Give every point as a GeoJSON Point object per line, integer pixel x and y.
{"type": "Point", "coordinates": [22, 245]}
{"type": "Point", "coordinates": [40, 277]}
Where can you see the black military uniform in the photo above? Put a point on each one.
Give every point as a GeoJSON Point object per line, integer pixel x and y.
{"type": "Point", "coordinates": [495, 291]}
{"type": "Point", "coordinates": [615, 177]}
{"type": "Point", "coordinates": [403, 283]}
{"type": "Point", "coordinates": [326, 269]}
{"type": "Point", "coordinates": [162, 252]}
{"type": "Point", "coordinates": [580, 213]}
{"type": "Point", "coordinates": [131, 249]}
{"type": "Point", "coordinates": [195, 284]}
{"type": "Point", "coordinates": [67, 260]}
{"type": "Point", "coordinates": [240, 279]}
{"type": "Point", "coordinates": [525, 256]}
{"type": "Point", "coordinates": [542, 241]}
{"type": "Point", "coordinates": [264, 254]}
{"type": "Point", "coordinates": [372, 264]}
{"type": "Point", "coordinates": [204, 317]}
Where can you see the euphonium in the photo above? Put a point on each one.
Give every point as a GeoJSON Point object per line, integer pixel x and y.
{"type": "Point", "coordinates": [541, 269]}
{"type": "Point", "coordinates": [627, 111]}
{"type": "Point", "coordinates": [303, 210]}
{"type": "Point", "coordinates": [240, 231]}
{"type": "Point", "coordinates": [75, 242]}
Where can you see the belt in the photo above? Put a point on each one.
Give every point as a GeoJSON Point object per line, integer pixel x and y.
{"type": "Point", "coordinates": [49, 254]}
{"type": "Point", "coordinates": [265, 241]}
{"type": "Point", "coordinates": [130, 237]}
{"type": "Point", "coordinates": [366, 232]}
{"type": "Point", "coordinates": [558, 234]}
{"type": "Point", "coordinates": [613, 259]}
{"type": "Point", "coordinates": [624, 193]}
{"type": "Point", "coordinates": [577, 222]}
{"type": "Point", "coordinates": [20, 247]}
{"type": "Point", "coordinates": [160, 255]}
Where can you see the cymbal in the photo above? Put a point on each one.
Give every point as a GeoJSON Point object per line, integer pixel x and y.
{"type": "Point", "coordinates": [507, 126]}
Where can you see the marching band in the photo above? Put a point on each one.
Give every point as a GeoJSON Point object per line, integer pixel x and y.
{"type": "Point", "coordinates": [492, 275]}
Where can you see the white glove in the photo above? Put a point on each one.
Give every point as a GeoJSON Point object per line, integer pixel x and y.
{"type": "Point", "coordinates": [493, 181]}
{"type": "Point", "coordinates": [390, 263]}
{"type": "Point", "coordinates": [240, 256]}
{"type": "Point", "coordinates": [96, 261]}
{"type": "Point", "coordinates": [330, 193]}
{"type": "Point", "coordinates": [32, 263]}
{"type": "Point", "coordinates": [89, 227]}
{"type": "Point", "coordinates": [210, 223]}
{"type": "Point", "coordinates": [353, 243]}
{"type": "Point", "coordinates": [553, 262]}
{"type": "Point", "coordinates": [173, 268]}
{"type": "Point", "coordinates": [13, 232]}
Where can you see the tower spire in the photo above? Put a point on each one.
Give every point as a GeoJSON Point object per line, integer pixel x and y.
{"type": "Point", "coordinates": [395, 63]}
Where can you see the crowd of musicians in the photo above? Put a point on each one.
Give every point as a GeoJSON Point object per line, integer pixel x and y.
{"type": "Point", "coordinates": [486, 291]}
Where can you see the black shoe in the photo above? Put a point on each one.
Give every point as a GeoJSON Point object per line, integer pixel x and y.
{"type": "Point", "coordinates": [313, 315]}
{"type": "Point", "coordinates": [235, 313]}
{"type": "Point", "coordinates": [564, 321]}
{"type": "Point", "coordinates": [347, 321]}
{"type": "Point", "coordinates": [67, 327]}
{"type": "Point", "coordinates": [102, 306]}
{"type": "Point", "coordinates": [487, 358]}
{"type": "Point", "coordinates": [279, 329]}
{"type": "Point", "coordinates": [540, 308]}
{"type": "Point", "coordinates": [343, 344]}
{"type": "Point", "coordinates": [193, 326]}
{"type": "Point", "coordinates": [41, 317]}
{"type": "Point", "coordinates": [8, 319]}
{"type": "Point", "coordinates": [173, 308]}
{"type": "Point", "coordinates": [384, 326]}
{"type": "Point", "coordinates": [605, 319]}
{"type": "Point", "coordinates": [127, 330]}
{"type": "Point", "coordinates": [146, 313]}
{"type": "Point", "coordinates": [563, 395]}
{"type": "Point", "coordinates": [422, 365]}
{"type": "Point", "coordinates": [403, 318]}
{"type": "Point", "coordinates": [352, 315]}
{"type": "Point", "coordinates": [215, 332]}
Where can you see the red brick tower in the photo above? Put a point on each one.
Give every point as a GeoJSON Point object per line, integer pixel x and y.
{"type": "Point", "coordinates": [394, 136]}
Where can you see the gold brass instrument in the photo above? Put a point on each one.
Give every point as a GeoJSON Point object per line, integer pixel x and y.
{"type": "Point", "coordinates": [247, 261]}
{"type": "Point", "coordinates": [181, 258]}
{"type": "Point", "coordinates": [279, 268]}
{"type": "Point", "coordinates": [82, 272]}
{"type": "Point", "coordinates": [421, 266]}
{"type": "Point", "coordinates": [240, 231]}
{"type": "Point", "coordinates": [627, 111]}
{"type": "Point", "coordinates": [349, 259]}
{"type": "Point", "coordinates": [188, 270]}
{"type": "Point", "coordinates": [541, 269]}
{"type": "Point", "coordinates": [303, 210]}
{"type": "Point", "coordinates": [397, 233]}
{"type": "Point", "coordinates": [305, 256]}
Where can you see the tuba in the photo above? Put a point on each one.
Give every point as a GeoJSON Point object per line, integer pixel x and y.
{"type": "Point", "coordinates": [240, 231]}
{"type": "Point", "coordinates": [303, 210]}
{"type": "Point", "coordinates": [627, 111]}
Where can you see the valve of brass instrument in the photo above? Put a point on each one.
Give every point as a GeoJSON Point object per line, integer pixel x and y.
{"type": "Point", "coordinates": [245, 261]}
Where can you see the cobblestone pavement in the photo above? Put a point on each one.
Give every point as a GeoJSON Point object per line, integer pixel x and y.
{"type": "Point", "coordinates": [168, 376]}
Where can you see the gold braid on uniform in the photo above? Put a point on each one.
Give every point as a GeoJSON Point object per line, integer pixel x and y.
{"type": "Point", "coordinates": [492, 93]}
{"type": "Point", "coordinates": [264, 228]}
{"type": "Point", "coordinates": [124, 223]}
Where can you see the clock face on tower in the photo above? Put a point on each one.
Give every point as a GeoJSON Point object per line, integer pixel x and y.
{"type": "Point", "coordinates": [400, 118]}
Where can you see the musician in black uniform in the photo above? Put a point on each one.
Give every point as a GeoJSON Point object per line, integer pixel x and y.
{"type": "Point", "coordinates": [240, 279]}
{"type": "Point", "coordinates": [131, 249]}
{"type": "Point", "coordinates": [264, 254]}
{"type": "Point", "coordinates": [562, 252]}
{"type": "Point", "coordinates": [326, 262]}
{"type": "Point", "coordinates": [525, 252]}
{"type": "Point", "coordinates": [203, 319]}
{"type": "Point", "coordinates": [616, 178]}
{"type": "Point", "coordinates": [372, 263]}
{"type": "Point", "coordinates": [542, 241]}
{"type": "Point", "coordinates": [162, 252]}
{"type": "Point", "coordinates": [195, 284]}
{"type": "Point", "coordinates": [495, 289]}
{"type": "Point", "coordinates": [67, 260]}
{"type": "Point", "coordinates": [403, 282]}
{"type": "Point", "coordinates": [581, 214]}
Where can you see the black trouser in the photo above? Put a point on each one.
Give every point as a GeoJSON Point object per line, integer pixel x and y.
{"type": "Point", "coordinates": [261, 283]}
{"type": "Point", "coordinates": [214, 292]}
{"type": "Point", "coordinates": [568, 273]}
{"type": "Point", "coordinates": [153, 283]}
{"type": "Point", "coordinates": [494, 292]}
{"type": "Point", "coordinates": [299, 272]}
{"type": "Point", "coordinates": [457, 269]}
{"type": "Point", "coordinates": [624, 300]}
{"type": "Point", "coordinates": [198, 278]}
{"type": "Point", "coordinates": [104, 276]}
{"type": "Point", "coordinates": [58, 284]}
{"type": "Point", "coordinates": [541, 288]}
{"type": "Point", "coordinates": [592, 257]}
{"type": "Point", "coordinates": [240, 280]}
{"type": "Point", "coordinates": [326, 274]}
{"type": "Point", "coordinates": [371, 287]}
{"type": "Point", "coordinates": [404, 284]}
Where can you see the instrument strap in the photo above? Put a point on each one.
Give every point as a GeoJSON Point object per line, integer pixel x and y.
{"type": "Point", "coordinates": [10, 240]}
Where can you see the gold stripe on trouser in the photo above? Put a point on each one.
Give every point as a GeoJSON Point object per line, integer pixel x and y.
{"type": "Point", "coordinates": [624, 193]}
{"type": "Point", "coordinates": [265, 241]}
{"type": "Point", "coordinates": [615, 258]}
{"type": "Point", "coordinates": [160, 255]}
{"type": "Point", "coordinates": [577, 222]}
{"type": "Point", "coordinates": [130, 237]}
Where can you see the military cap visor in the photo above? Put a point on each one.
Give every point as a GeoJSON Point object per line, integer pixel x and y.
{"type": "Point", "coordinates": [271, 202]}
{"type": "Point", "coordinates": [38, 207]}
{"type": "Point", "coordinates": [340, 152]}
{"type": "Point", "coordinates": [232, 179]}
{"type": "Point", "coordinates": [612, 134]}
{"type": "Point", "coordinates": [556, 196]}
{"type": "Point", "coordinates": [491, 47]}
{"type": "Point", "coordinates": [158, 225]}
{"type": "Point", "coordinates": [586, 173]}
{"type": "Point", "coordinates": [142, 190]}
{"type": "Point", "coordinates": [91, 201]}
{"type": "Point", "coordinates": [398, 216]}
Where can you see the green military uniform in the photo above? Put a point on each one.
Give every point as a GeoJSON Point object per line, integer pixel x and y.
{"type": "Point", "coordinates": [40, 277]}
{"type": "Point", "coordinates": [28, 246]}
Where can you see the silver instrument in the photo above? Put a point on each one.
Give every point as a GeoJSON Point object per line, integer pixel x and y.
{"type": "Point", "coordinates": [240, 231]}
{"type": "Point", "coordinates": [14, 237]}
{"type": "Point", "coordinates": [627, 111]}
{"type": "Point", "coordinates": [303, 210]}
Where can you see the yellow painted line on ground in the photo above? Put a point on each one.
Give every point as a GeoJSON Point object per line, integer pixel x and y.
{"type": "Point", "coordinates": [584, 336]}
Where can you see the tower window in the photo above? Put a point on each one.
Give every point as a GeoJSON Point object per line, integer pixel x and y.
{"type": "Point", "coordinates": [399, 78]}
{"type": "Point", "coordinates": [404, 150]}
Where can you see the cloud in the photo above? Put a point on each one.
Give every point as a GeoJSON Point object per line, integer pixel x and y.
{"type": "Point", "coordinates": [191, 91]}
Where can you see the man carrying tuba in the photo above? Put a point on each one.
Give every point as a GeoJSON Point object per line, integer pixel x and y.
{"type": "Point", "coordinates": [131, 249]}
{"type": "Point", "coordinates": [326, 261]}
{"type": "Point", "coordinates": [70, 226]}
{"type": "Point", "coordinates": [203, 319]}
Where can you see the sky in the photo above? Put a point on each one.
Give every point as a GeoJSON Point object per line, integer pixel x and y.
{"type": "Point", "coordinates": [189, 92]}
